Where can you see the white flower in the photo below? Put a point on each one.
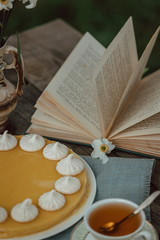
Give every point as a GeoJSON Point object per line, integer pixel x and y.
{"type": "Point", "coordinates": [101, 148]}
{"type": "Point", "coordinates": [6, 4]}
{"type": "Point", "coordinates": [32, 3]}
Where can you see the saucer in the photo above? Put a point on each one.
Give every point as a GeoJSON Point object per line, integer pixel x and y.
{"type": "Point", "coordinates": [80, 232]}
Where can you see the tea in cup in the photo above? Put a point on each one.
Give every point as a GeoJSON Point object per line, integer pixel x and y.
{"type": "Point", "coordinates": [113, 210]}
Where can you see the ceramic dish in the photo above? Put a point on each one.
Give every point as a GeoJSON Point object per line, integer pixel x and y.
{"type": "Point", "coordinates": [80, 232]}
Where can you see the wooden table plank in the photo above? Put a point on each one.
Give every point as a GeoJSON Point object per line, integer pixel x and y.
{"type": "Point", "coordinates": [44, 49]}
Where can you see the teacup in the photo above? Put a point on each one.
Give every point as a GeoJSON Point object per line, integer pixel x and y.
{"type": "Point", "coordinates": [114, 209]}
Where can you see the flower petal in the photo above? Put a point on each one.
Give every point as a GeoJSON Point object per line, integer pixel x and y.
{"type": "Point", "coordinates": [32, 4]}
{"type": "Point", "coordinates": [95, 146]}
{"type": "Point", "coordinates": [96, 143]}
{"type": "Point", "coordinates": [99, 151]}
{"type": "Point", "coordinates": [110, 147]}
{"type": "Point", "coordinates": [24, 1]}
{"type": "Point", "coordinates": [105, 141]}
{"type": "Point", "coordinates": [10, 5]}
{"type": "Point", "coordinates": [95, 154]}
{"type": "Point", "coordinates": [105, 159]}
{"type": "Point", "coordinates": [6, 5]}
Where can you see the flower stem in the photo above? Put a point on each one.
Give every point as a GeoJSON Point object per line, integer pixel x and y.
{"type": "Point", "coordinates": [4, 17]}
{"type": "Point", "coordinates": [2, 27]}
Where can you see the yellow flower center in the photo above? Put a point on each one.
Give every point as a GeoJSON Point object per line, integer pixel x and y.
{"type": "Point", "coordinates": [104, 148]}
{"type": "Point", "coordinates": [3, 1]}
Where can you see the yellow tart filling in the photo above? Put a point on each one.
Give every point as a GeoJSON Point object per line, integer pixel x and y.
{"type": "Point", "coordinates": [29, 175]}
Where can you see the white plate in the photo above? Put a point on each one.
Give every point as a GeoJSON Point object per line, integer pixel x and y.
{"type": "Point", "coordinates": [73, 219]}
{"type": "Point", "coordinates": [80, 232]}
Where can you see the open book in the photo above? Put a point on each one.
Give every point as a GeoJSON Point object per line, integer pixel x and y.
{"type": "Point", "coordinates": [100, 93]}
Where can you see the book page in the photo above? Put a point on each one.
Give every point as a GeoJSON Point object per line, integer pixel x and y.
{"type": "Point", "coordinates": [153, 137]}
{"type": "Point", "coordinates": [149, 144]}
{"type": "Point", "coordinates": [145, 104]}
{"type": "Point", "coordinates": [135, 77]}
{"type": "Point", "coordinates": [149, 149]}
{"type": "Point", "coordinates": [148, 126]}
{"type": "Point", "coordinates": [58, 134]}
{"type": "Point", "coordinates": [111, 75]}
{"type": "Point", "coordinates": [72, 88]}
{"type": "Point", "coordinates": [43, 119]}
{"type": "Point", "coordinates": [50, 109]}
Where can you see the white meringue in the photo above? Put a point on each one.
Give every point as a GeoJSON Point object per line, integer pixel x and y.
{"type": "Point", "coordinates": [67, 185]}
{"type": "Point", "coordinates": [32, 142]}
{"type": "Point", "coordinates": [55, 151]}
{"type": "Point", "coordinates": [70, 165]}
{"type": "Point", "coordinates": [3, 214]}
{"type": "Point", "coordinates": [25, 211]}
{"type": "Point", "coordinates": [51, 201]}
{"type": "Point", "coordinates": [7, 141]}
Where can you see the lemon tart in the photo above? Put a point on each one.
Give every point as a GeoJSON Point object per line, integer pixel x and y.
{"type": "Point", "coordinates": [30, 175]}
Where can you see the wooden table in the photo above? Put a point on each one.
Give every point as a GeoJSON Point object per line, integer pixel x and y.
{"type": "Point", "coordinates": [44, 49]}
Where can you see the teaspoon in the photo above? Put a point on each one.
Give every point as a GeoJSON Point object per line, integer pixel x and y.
{"type": "Point", "coordinates": [112, 226]}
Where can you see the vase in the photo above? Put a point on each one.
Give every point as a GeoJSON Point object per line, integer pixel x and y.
{"type": "Point", "coordinates": [8, 92]}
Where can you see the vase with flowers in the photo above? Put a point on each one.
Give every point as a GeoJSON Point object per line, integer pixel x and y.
{"type": "Point", "coordinates": [8, 92]}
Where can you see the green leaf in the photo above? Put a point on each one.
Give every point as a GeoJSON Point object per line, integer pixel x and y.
{"type": "Point", "coordinates": [145, 71]}
{"type": "Point", "coordinates": [18, 49]}
{"type": "Point", "coordinates": [1, 24]}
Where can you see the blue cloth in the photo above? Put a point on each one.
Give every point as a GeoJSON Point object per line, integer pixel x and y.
{"type": "Point", "coordinates": [127, 178]}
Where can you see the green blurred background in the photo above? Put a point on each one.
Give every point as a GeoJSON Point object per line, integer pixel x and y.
{"type": "Point", "coordinates": [103, 19]}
